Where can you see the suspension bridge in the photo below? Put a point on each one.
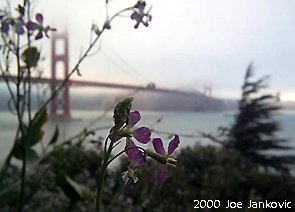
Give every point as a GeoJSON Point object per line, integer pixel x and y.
{"type": "Point", "coordinates": [60, 104]}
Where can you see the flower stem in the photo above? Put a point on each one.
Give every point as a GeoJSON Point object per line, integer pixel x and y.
{"type": "Point", "coordinates": [102, 176]}
{"type": "Point", "coordinates": [19, 111]}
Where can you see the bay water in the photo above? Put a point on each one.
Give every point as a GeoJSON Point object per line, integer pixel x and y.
{"type": "Point", "coordinates": [164, 124]}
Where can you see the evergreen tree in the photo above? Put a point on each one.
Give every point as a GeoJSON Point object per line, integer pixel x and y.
{"type": "Point", "coordinates": [254, 130]}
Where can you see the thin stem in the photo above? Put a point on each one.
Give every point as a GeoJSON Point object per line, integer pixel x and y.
{"type": "Point", "coordinates": [24, 136]}
{"type": "Point", "coordinates": [8, 85]}
{"type": "Point", "coordinates": [117, 143]}
{"type": "Point", "coordinates": [29, 68]}
{"type": "Point", "coordinates": [105, 146]}
{"type": "Point", "coordinates": [23, 142]}
{"type": "Point", "coordinates": [102, 177]}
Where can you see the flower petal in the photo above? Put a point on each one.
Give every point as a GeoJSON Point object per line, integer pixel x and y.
{"type": "Point", "coordinates": [134, 117]}
{"type": "Point", "coordinates": [39, 35]}
{"type": "Point", "coordinates": [142, 135]}
{"type": "Point", "coordinates": [39, 18]}
{"type": "Point", "coordinates": [173, 144]}
{"type": "Point", "coordinates": [32, 25]}
{"type": "Point", "coordinates": [162, 174]}
{"type": "Point", "coordinates": [137, 157]}
{"type": "Point", "coordinates": [19, 26]}
{"type": "Point", "coordinates": [140, 5]}
{"type": "Point", "coordinates": [5, 27]}
{"type": "Point", "coordinates": [158, 146]}
{"type": "Point", "coordinates": [113, 137]}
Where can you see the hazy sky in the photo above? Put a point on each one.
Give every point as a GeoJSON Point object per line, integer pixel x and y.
{"type": "Point", "coordinates": [189, 43]}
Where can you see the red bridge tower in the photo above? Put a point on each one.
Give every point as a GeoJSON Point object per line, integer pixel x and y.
{"type": "Point", "coordinates": [60, 105]}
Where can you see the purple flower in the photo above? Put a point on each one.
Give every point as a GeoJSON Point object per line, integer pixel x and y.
{"type": "Point", "coordinates": [98, 143]}
{"type": "Point", "coordinates": [39, 18]}
{"type": "Point", "coordinates": [140, 5]}
{"type": "Point", "coordinates": [161, 173]}
{"type": "Point", "coordinates": [19, 26]}
{"type": "Point", "coordinates": [141, 134]}
{"type": "Point", "coordinates": [4, 25]}
{"type": "Point", "coordinates": [32, 26]}
{"type": "Point", "coordinates": [139, 14]}
{"type": "Point", "coordinates": [136, 156]}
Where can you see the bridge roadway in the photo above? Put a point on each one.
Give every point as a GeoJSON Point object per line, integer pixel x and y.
{"type": "Point", "coordinates": [80, 83]}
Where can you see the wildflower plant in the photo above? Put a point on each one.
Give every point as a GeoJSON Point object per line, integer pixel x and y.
{"type": "Point", "coordinates": [21, 31]}
{"type": "Point", "coordinates": [124, 121]}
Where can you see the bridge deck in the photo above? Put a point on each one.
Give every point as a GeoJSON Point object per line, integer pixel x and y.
{"type": "Point", "coordinates": [80, 83]}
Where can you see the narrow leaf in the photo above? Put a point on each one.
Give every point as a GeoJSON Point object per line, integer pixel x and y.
{"type": "Point", "coordinates": [54, 138]}
{"type": "Point", "coordinates": [83, 191]}
{"type": "Point", "coordinates": [37, 133]}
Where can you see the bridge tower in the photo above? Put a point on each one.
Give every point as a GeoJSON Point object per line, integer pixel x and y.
{"type": "Point", "coordinates": [60, 105]}
{"type": "Point", "coordinates": [208, 94]}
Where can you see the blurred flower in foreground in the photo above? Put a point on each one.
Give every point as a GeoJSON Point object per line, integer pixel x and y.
{"type": "Point", "coordinates": [139, 15]}
{"type": "Point", "coordinates": [19, 26]}
{"type": "Point", "coordinates": [4, 22]}
{"type": "Point", "coordinates": [39, 27]}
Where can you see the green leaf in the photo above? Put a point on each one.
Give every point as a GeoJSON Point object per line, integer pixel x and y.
{"type": "Point", "coordinates": [31, 154]}
{"type": "Point", "coordinates": [35, 134]}
{"type": "Point", "coordinates": [83, 191]}
{"type": "Point", "coordinates": [37, 123]}
{"type": "Point", "coordinates": [92, 141]}
{"type": "Point", "coordinates": [121, 113]}
{"type": "Point", "coordinates": [31, 57]}
{"type": "Point", "coordinates": [40, 118]}
{"type": "Point", "coordinates": [17, 151]}
{"type": "Point", "coordinates": [53, 140]}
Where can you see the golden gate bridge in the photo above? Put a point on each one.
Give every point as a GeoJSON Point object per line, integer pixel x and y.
{"type": "Point", "coordinates": [60, 107]}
